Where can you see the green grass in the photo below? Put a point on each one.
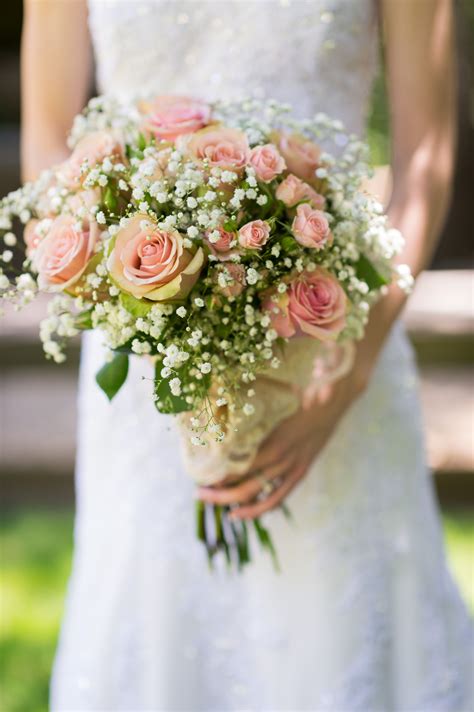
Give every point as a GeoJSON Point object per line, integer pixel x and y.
{"type": "Point", "coordinates": [35, 554]}
{"type": "Point", "coordinates": [459, 533]}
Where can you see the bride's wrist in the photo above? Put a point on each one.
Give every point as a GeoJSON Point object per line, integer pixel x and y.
{"type": "Point", "coordinates": [382, 318]}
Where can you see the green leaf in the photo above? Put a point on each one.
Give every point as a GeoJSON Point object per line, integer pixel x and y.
{"type": "Point", "coordinates": [169, 403]}
{"type": "Point", "coordinates": [220, 513]}
{"type": "Point", "coordinates": [141, 142]}
{"type": "Point", "coordinates": [288, 243]}
{"type": "Point", "coordinates": [83, 320]}
{"type": "Point", "coordinates": [230, 225]}
{"type": "Point", "coordinates": [113, 375]}
{"type": "Point", "coordinates": [244, 545]}
{"type": "Point", "coordinates": [218, 523]}
{"type": "Point", "coordinates": [135, 307]}
{"type": "Point", "coordinates": [266, 542]}
{"type": "Point", "coordinates": [200, 520]}
{"type": "Point", "coordinates": [366, 272]}
{"type": "Point", "coordinates": [110, 201]}
{"type": "Point", "coordinates": [223, 330]}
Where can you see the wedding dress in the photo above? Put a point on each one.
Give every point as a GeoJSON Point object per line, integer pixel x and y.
{"type": "Point", "coordinates": [364, 615]}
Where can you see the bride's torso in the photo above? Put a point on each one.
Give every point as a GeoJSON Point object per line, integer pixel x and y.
{"type": "Point", "coordinates": [318, 55]}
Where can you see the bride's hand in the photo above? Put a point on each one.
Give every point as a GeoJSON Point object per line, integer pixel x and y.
{"type": "Point", "coordinates": [286, 456]}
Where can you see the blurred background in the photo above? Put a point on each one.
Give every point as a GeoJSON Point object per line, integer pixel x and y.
{"type": "Point", "coordinates": [37, 452]}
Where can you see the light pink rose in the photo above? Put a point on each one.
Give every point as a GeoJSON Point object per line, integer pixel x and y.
{"type": "Point", "coordinates": [220, 146]}
{"type": "Point", "coordinates": [235, 277]}
{"type": "Point", "coordinates": [276, 305]}
{"type": "Point", "coordinates": [267, 161]}
{"type": "Point", "coordinates": [310, 227]}
{"type": "Point", "coordinates": [301, 155]}
{"type": "Point", "coordinates": [253, 235]}
{"type": "Point", "coordinates": [168, 117]}
{"type": "Point", "coordinates": [222, 248]}
{"type": "Point", "coordinates": [315, 305]}
{"type": "Point", "coordinates": [93, 148]}
{"type": "Point", "coordinates": [149, 262]}
{"type": "Point", "coordinates": [64, 253]}
{"type": "Point", "coordinates": [292, 190]}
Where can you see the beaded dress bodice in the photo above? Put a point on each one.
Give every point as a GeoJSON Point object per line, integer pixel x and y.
{"type": "Point", "coordinates": [318, 55]}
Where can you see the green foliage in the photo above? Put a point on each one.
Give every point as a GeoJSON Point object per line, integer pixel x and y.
{"type": "Point", "coordinates": [135, 307]}
{"type": "Point", "coordinates": [459, 536]}
{"type": "Point", "coordinates": [35, 562]}
{"type": "Point", "coordinates": [84, 320]}
{"type": "Point", "coordinates": [366, 271]}
{"type": "Point", "coordinates": [288, 243]}
{"type": "Point", "coordinates": [168, 403]}
{"type": "Point", "coordinates": [266, 542]}
{"type": "Point", "coordinates": [110, 199]}
{"type": "Point", "coordinates": [113, 375]}
{"type": "Point", "coordinates": [230, 225]}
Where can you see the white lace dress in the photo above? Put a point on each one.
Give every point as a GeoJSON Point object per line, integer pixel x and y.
{"type": "Point", "coordinates": [365, 615]}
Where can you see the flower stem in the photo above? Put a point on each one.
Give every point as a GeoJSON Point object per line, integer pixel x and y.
{"type": "Point", "coordinates": [266, 542]}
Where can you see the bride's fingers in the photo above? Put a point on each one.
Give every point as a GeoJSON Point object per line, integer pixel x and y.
{"type": "Point", "coordinates": [287, 437]}
{"type": "Point", "coordinates": [249, 489]}
{"type": "Point", "coordinates": [273, 500]}
{"type": "Point", "coordinates": [274, 449]}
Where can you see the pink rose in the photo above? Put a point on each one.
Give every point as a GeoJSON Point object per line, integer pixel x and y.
{"type": "Point", "coordinates": [64, 253]}
{"type": "Point", "coordinates": [222, 248]}
{"type": "Point", "coordinates": [147, 261]}
{"type": "Point", "coordinates": [93, 148]}
{"type": "Point", "coordinates": [315, 305]}
{"type": "Point", "coordinates": [219, 146]}
{"type": "Point", "coordinates": [310, 227]}
{"type": "Point", "coordinates": [267, 161]}
{"type": "Point", "coordinates": [292, 190]}
{"type": "Point", "coordinates": [276, 305]}
{"type": "Point", "coordinates": [301, 155]}
{"type": "Point", "coordinates": [231, 279]}
{"type": "Point", "coordinates": [253, 235]}
{"type": "Point", "coordinates": [168, 117]}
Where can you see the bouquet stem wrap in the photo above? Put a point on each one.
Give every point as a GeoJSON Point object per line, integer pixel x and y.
{"type": "Point", "coordinates": [307, 365]}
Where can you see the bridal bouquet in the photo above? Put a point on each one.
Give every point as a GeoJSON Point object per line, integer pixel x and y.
{"type": "Point", "coordinates": [223, 242]}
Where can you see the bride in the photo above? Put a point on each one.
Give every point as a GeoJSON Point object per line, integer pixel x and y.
{"type": "Point", "coordinates": [364, 615]}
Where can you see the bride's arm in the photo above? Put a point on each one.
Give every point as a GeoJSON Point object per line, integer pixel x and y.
{"type": "Point", "coordinates": [55, 75]}
{"type": "Point", "coordinates": [422, 93]}
{"type": "Point", "coordinates": [421, 84]}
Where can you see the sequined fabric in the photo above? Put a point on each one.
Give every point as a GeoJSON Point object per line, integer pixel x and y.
{"type": "Point", "coordinates": [364, 615]}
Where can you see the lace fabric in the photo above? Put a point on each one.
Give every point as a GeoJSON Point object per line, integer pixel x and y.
{"type": "Point", "coordinates": [364, 615]}
{"type": "Point", "coordinates": [318, 55]}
